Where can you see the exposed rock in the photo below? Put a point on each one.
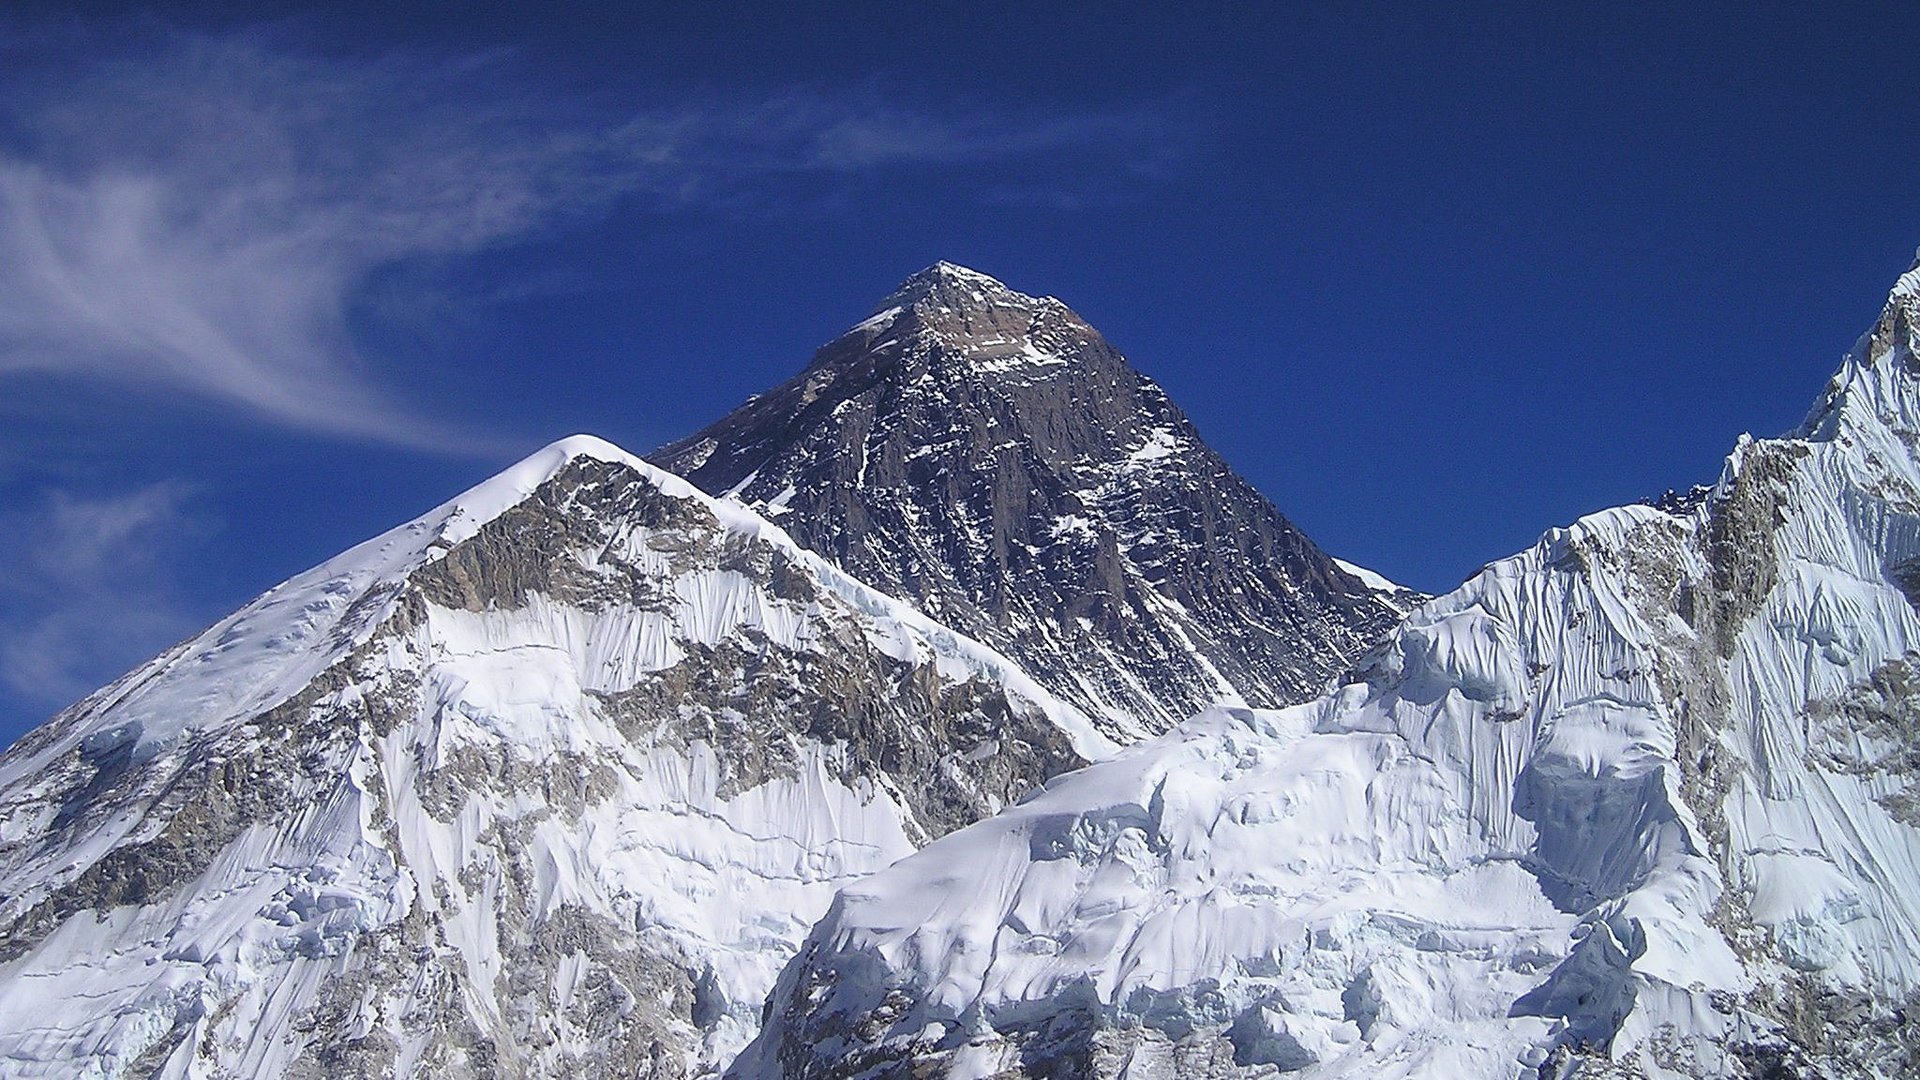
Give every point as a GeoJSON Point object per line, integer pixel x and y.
{"type": "Point", "coordinates": [992, 457]}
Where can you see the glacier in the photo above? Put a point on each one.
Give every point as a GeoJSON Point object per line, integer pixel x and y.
{"type": "Point", "coordinates": [1640, 800]}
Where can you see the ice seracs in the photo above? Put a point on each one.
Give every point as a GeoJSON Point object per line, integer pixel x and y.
{"type": "Point", "coordinates": [1639, 800]}
{"type": "Point", "coordinates": [550, 781]}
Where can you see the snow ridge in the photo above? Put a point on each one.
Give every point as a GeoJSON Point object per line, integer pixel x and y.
{"type": "Point", "coordinates": [553, 777]}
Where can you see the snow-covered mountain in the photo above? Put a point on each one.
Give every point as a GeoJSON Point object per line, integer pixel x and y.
{"type": "Point", "coordinates": [990, 456]}
{"type": "Point", "coordinates": [1641, 800]}
{"type": "Point", "coordinates": [550, 781]}
{"type": "Point", "coordinates": [556, 779]}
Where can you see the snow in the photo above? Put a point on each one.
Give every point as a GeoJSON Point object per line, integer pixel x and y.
{"type": "Point", "coordinates": [1212, 856]}
{"type": "Point", "coordinates": [1376, 582]}
{"type": "Point", "coordinates": [723, 881]}
{"type": "Point", "coordinates": [1160, 443]}
{"type": "Point", "coordinates": [1607, 793]}
{"type": "Point", "coordinates": [778, 504]}
{"type": "Point", "coordinates": [1006, 355]}
{"type": "Point", "coordinates": [878, 319]}
{"type": "Point", "coordinates": [1489, 847]}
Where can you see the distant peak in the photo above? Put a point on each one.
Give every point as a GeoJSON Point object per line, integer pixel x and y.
{"type": "Point", "coordinates": [953, 273]}
{"type": "Point", "coordinates": [955, 287]}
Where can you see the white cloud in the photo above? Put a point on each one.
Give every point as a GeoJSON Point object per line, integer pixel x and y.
{"type": "Point", "coordinates": [198, 219]}
{"type": "Point", "coordinates": [194, 213]}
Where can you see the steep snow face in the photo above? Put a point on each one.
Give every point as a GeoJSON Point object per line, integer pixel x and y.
{"type": "Point", "coordinates": [1643, 798]}
{"type": "Point", "coordinates": [989, 455]}
{"type": "Point", "coordinates": [551, 781]}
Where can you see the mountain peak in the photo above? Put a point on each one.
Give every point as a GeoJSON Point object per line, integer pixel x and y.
{"type": "Point", "coordinates": [944, 273]}
{"type": "Point", "coordinates": [953, 271]}
{"type": "Point", "coordinates": [991, 456]}
{"type": "Point", "coordinates": [974, 324]}
{"type": "Point", "coordinates": [652, 690]}
{"type": "Point", "coordinates": [952, 287]}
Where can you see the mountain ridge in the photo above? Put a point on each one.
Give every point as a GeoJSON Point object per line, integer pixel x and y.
{"type": "Point", "coordinates": [1639, 800]}
{"type": "Point", "coordinates": [552, 777]}
{"type": "Point", "coordinates": [589, 772]}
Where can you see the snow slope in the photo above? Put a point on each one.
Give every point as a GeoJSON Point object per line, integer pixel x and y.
{"type": "Point", "coordinates": [551, 780]}
{"type": "Point", "coordinates": [1643, 799]}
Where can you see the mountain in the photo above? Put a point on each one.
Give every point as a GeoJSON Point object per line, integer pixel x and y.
{"type": "Point", "coordinates": [1641, 800]}
{"type": "Point", "coordinates": [991, 457]}
{"type": "Point", "coordinates": [550, 781]}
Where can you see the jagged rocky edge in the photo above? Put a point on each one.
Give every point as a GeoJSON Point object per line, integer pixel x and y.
{"type": "Point", "coordinates": [989, 455]}
{"type": "Point", "coordinates": [343, 600]}
{"type": "Point", "coordinates": [121, 778]}
{"type": "Point", "coordinates": [1641, 799]}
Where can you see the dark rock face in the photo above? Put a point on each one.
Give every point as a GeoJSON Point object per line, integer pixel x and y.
{"type": "Point", "coordinates": [991, 456]}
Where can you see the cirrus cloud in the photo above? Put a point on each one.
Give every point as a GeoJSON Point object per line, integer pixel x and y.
{"type": "Point", "coordinates": [194, 213]}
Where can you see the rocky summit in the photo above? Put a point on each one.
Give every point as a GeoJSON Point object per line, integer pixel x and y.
{"type": "Point", "coordinates": [991, 457]}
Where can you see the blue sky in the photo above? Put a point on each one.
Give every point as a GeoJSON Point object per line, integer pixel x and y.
{"type": "Point", "coordinates": [274, 279]}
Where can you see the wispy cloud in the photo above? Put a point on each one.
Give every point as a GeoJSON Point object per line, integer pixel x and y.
{"type": "Point", "coordinates": [807, 131]}
{"type": "Point", "coordinates": [87, 590]}
{"type": "Point", "coordinates": [195, 213]}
